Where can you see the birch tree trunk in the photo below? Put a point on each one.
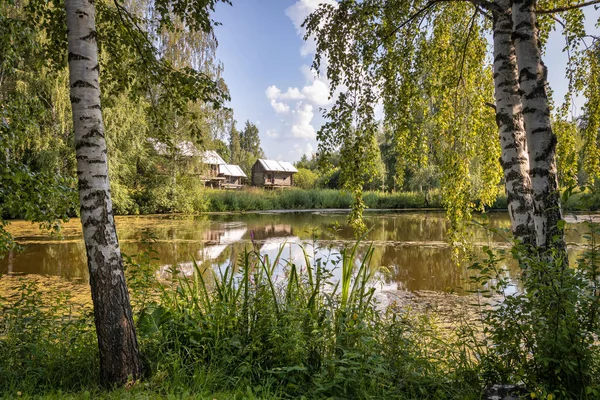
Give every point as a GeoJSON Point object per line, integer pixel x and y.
{"type": "Point", "coordinates": [541, 140]}
{"type": "Point", "coordinates": [119, 354]}
{"type": "Point", "coordinates": [509, 116]}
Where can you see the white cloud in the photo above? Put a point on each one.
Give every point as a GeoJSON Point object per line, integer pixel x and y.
{"type": "Point", "coordinates": [272, 92]}
{"type": "Point", "coordinates": [292, 94]}
{"type": "Point", "coordinates": [302, 118]}
{"type": "Point", "coordinates": [317, 93]}
{"type": "Point", "coordinates": [297, 105]}
{"type": "Point", "coordinates": [279, 107]}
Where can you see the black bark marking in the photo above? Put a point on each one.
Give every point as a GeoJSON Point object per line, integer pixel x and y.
{"type": "Point", "coordinates": [93, 133]}
{"type": "Point", "coordinates": [96, 68]}
{"type": "Point", "coordinates": [83, 84]}
{"type": "Point", "coordinates": [539, 172]}
{"type": "Point", "coordinates": [508, 83]}
{"type": "Point", "coordinates": [76, 57]}
{"type": "Point", "coordinates": [82, 183]}
{"type": "Point", "coordinates": [84, 143]}
{"type": "Point", "coordinates": [527, 75]}
{"type": "Point", "coordinates": [539, 91]}
{"type": "Point", "coordinates": [544, 129]}
{"type": "Point", "coordinates": [96, 161]}
{"type": "Point", "coordinates": [516, 36]}
{"type": "Point", "coordinates": [529, 110]}
{"type": "Point", "coordinates": [81, 14]}
{"type": "Point", "coordinates": [85, 117]}
{"type": "Point", "coordinates": [91, 37]}
{"type": "Point", "coordinates": [548, 151]}
{"type": "Point", "coordinates": [95, 107]}
{"type": "Point", "coordinates": [74, 100]}
{"type": "Point", "coordinates": [501, 57]}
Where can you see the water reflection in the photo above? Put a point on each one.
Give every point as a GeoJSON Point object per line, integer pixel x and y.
{"type": "Point", "coordinates": [411, 245]}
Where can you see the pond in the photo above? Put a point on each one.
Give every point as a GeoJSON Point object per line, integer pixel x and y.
{"type": "Point", "coordinates": [411, 245]}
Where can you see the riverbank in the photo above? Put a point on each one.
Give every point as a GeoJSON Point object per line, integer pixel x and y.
{"type": "Point", "coordinates": [48, 344]}
{"type": "Point", "coordinates": [254, 199]}
{"type": "Point", "coordinates": [256, 329]}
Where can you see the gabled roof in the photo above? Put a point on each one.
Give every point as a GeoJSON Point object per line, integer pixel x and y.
{"type": "Point", "coordinates": [277, 166]}
{"type": "Point", "coordinates": [231, 170]}
{"type": "Point", "coordinates": [212, 157]}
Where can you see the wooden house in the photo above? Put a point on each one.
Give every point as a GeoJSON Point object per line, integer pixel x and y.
{"type": "Point", "coordinates": [273, 174]}
{"type": "Point", "coordinates": [212, 175]}
{"type": "Point", "coordinates": [208, 165]}
{"type": "Point", "coordinates": [233, 175]}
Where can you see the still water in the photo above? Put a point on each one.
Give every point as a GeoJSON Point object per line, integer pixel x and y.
{"type": "Point", "coordinates": [411, 245]}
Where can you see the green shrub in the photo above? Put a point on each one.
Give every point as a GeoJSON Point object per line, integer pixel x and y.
{"type": "Point", "coordinates": [305, 178]}
{"type": "Point", "coordinates": [45, 344]}
{"type": "Point", "coordinates": [546, 334]}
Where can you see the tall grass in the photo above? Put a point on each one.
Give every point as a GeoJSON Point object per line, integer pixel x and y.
{"type": "Point", "coordinates": [255, 199]}
{"type": "Point", "coordinates": [269, 328]}
{"type": "Point", "coordinates": [294, 328]}
{"type": "Point", "coordinates": [263, 328]}
{"type": "Point", "coordinates": [294, 199]}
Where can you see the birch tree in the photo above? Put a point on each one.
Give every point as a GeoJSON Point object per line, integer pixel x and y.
{"type": "Point", "coordinates": [509, 116]}
{"type": "Point", "coordinates": [414, 36]}
{"type": "Point", "coordinates": [117, 341]}
{"type": "Point", "coordinates": [541, 138]}
{"type": "Point", "coordinates": [119, 353]}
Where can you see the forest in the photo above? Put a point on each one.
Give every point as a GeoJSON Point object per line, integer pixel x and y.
{"type": "Point", "coordinates": [96, 98]}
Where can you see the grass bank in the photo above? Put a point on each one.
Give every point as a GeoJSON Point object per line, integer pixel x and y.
{"type": "Point", "coordinates": [262, 330]}
{"type": "Point", "coordinates": [251, 199]}
{"type": "Point", "coordinates": [270, 329]}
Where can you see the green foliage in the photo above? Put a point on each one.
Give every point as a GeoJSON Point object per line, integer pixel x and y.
{"type": "Point", "coordinates": [330, 179]}
{"type": "Point", "coordinates": [431, 73]}
{"type": "Point", "coordinates": [296, 199]}
{"type": "Point", "coordinates": [426, 178]}
{"type": "Point", "coordinates": [290, 327]}
{"type": "Point", "coordinates": [305, 178]}
{"type": "Point", "coordinates": [263, 328]}
{"type": "Point", "coordinates": [45, 343]}
{"type": "Point", "coordinates": [160, 81]}
{"type": "Point", "coordinates": [545, 334]}
{"type": "Point", "coordinates": [305, 163]}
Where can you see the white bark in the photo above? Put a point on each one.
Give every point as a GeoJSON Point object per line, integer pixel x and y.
{"type": "Point", "coordinates": [541, 140]}
{"type": "Point", "coordinates": [509, 116]}
{"type": "Point", "coordinates": [119, 355]}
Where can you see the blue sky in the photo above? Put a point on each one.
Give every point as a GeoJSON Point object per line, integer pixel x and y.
{"type": "Point", "coordinates": [267, 69]}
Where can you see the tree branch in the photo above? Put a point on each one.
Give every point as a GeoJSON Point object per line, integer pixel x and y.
{"type": "Point", "coordinates": [464, 52]}
{"type": "Point", "coordinates": [567, 8]}
{"type": "Point", "coordinates": [411, 18]}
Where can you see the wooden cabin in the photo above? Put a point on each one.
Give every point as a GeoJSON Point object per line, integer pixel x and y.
{"type": "Point", "coordinates": [233, 175]}
{"type": "Point", "coordinates": [273, 174]}
{"type": "Point", "coordinates": [212, 175]}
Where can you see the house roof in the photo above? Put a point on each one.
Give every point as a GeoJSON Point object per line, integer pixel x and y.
{"type": "Point", "coordinates": [231, 170]}
{"type": "Point", "coordinates": [212, 157]}
{"type": "Point", "coordinates": [277, 166]}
